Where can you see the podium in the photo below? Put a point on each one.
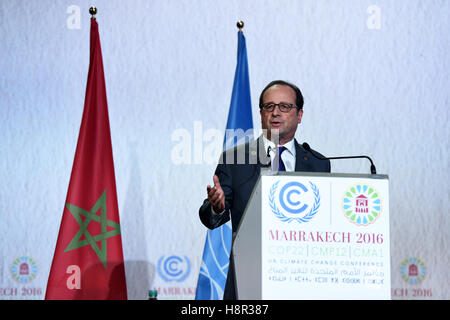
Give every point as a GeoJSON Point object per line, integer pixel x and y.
{"type": "Point", "coordinates": [314, 236]}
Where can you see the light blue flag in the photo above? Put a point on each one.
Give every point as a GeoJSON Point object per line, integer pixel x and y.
{"type": "Point", "coordinates": [216, 254]}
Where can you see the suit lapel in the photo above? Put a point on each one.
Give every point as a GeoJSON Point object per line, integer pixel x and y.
{"type": "Point", "coordinates": [257, 156]}
{"type": "Point", "coordinates": [302, 162]}
{"type": "Point", "coordinates": [258, 153]}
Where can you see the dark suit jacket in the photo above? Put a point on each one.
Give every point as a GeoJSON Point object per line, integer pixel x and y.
{"type": "Point", "coordinates": [238, 170]}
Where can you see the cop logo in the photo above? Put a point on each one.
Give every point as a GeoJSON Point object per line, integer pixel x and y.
{"type": "Point", "coordinates": [174, 268]}
{"type": "Point", "coordinates": [413, 270]}
{"type": "Point", "coordinates": [24, 269]}
{"type": "Point", "coordinates": [294, 201]}
{"type": "Point", "coordinates": [361, 204]}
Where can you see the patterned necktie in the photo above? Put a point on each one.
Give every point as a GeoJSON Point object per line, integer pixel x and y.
{"type": "Point", "coordinates": [281, 166]}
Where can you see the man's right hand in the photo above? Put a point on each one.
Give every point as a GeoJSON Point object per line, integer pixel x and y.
{"type": "Point", "coordinates": [216, 196]}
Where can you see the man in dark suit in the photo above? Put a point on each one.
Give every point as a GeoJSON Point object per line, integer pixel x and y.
{"type": "Point", "coordinates": [281, 110]}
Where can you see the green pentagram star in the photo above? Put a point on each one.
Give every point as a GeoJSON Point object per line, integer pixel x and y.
{"type": "Point", "coordinates": [77, 212]}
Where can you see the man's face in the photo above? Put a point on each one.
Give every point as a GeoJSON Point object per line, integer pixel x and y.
{"type": "Point", "coordinates": [280, 124]}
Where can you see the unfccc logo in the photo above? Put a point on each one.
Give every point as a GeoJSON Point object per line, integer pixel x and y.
{"type": "Point", "coordinates": [295, 201]}
{"type": "Point", "coordinates": [174, 268]}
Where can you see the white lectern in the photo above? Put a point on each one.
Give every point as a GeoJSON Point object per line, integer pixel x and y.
{"type": "Point", "coordinates": [314, 236]}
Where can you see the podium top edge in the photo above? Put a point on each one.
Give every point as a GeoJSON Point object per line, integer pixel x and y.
{"type": "Point", "coordinates": [323, 174]}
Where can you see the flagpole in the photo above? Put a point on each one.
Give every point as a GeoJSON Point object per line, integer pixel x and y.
{"type": "Point", "coordinates": [93, 12]}
{"type": "Point", "coordinates": [240, 25]}
{"type": "Point", "coordinates": [216, 260]}
{"type": "Point", "coordinates": [91, 268]}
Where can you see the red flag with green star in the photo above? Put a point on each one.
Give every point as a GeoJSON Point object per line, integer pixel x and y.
{"type": "Point", "coordinates": [88, 259]}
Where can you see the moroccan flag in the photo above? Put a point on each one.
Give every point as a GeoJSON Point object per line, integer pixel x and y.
{"type": "Point", "coordinates": [88, 259]}
{"type": "Point", "coordinates": [216, 254]}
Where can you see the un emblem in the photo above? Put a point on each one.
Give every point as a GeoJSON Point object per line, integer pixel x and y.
{"type": "Point", "coordinates": [296, 202]}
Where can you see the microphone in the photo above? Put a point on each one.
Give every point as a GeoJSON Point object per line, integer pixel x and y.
{"type": "Point", "coordinates": [268, 151]}
{"type": "Point", "coordinates": [373, 170]}
{"type": "Point", "coordinates": [268, 164]}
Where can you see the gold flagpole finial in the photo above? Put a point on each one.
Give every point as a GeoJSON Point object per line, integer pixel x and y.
{"type": "Point", "coordinates": [240, 25]}
{"type": "Point", "coordinates": [93, 12]}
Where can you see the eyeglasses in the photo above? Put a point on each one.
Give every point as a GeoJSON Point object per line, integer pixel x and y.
{"type": "Point", "coordinates": [283, 106]}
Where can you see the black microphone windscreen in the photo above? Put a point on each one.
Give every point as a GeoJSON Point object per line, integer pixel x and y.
{"type": "Point", "coordinates": [306, 147]}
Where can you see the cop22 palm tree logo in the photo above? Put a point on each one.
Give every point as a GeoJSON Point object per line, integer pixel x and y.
{"type": "Point", "coordinates": [413, 270]}
{"type": "Point", "coordinates": [24, 269]}
{"type": "Point", "coordinates": [296, 201]}
{"type": "Point", "coordinates": [361, 204]}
